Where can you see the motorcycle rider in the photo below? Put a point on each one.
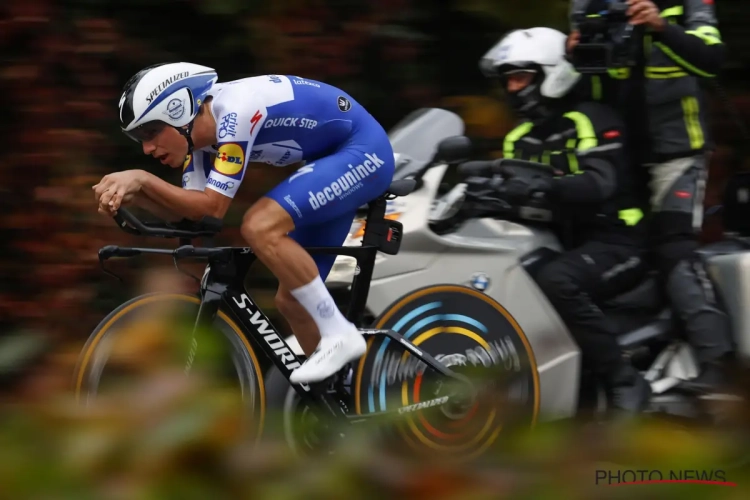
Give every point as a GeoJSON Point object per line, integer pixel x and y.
{"type": "Point", "coordinates": [584, 143]}
{"type": "Point", "coordinates": [661, 102]}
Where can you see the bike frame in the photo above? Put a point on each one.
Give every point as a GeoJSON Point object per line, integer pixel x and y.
{"type": "Point", "coordinates": [222, 287]}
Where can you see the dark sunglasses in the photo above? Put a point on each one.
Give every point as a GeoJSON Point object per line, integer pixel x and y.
{"type": "Point", "coordinates": [145, 132]}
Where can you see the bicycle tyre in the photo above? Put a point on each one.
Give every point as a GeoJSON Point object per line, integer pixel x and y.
{"type": "Point", "coordinates": [222, 322]}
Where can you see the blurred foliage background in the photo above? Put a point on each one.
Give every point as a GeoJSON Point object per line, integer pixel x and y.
{"type": "Point", "coordinates": [63, 66]}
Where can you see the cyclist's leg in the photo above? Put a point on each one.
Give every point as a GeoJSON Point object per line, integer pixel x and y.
{"type": "Point", "coordinates": [331, 233]}
{"type": "Point", "coordinates": [319, 193]}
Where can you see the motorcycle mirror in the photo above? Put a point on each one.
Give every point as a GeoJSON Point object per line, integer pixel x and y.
{"type": "Point", "coordinates": [453, 150]}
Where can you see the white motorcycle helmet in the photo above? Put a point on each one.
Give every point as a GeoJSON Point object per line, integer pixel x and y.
{"type": "Point", "coordinates": [169, 94]}
{"type": "Point", "coordinates": [537, 50]}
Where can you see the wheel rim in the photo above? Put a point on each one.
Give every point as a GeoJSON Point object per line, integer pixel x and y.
{"type": "Point", "coordinates": [96, 354]}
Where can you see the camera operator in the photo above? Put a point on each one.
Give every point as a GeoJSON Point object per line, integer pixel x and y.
{"type": "Point", "coordinates": [677, 42]}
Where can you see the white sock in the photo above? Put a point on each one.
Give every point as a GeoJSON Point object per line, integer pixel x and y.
{"type": "Point", "coordinates": [318, 302]}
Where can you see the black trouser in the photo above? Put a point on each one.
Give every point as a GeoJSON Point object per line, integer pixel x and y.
{"type": "Point", "coordinates": [677, 189]}
{"type": "Point", "coordinates": [577, 280]}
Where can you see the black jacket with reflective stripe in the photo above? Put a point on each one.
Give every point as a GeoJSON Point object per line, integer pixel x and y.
{"type": "Point", "coordinates": [594, 183]}
{"type": "Point", "coordinates": [660, 98]}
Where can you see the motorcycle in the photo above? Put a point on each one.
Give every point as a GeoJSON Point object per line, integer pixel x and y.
{"type": "Point", "coordinates": [457, 230]}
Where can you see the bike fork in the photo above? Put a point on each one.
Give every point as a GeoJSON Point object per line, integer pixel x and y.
{"type": "Point", "coordinates": [206, 311]}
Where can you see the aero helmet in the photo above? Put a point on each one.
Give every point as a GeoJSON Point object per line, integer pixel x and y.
{"type": "Point", "coordinates": [164, 94]}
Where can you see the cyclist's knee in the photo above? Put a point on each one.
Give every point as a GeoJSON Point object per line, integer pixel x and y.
{"type": "Point", "coordinates": [264, 224]}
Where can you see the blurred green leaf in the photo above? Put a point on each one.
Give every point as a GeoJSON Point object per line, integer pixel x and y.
{"type": "Point", "coordinates": [16, 349]}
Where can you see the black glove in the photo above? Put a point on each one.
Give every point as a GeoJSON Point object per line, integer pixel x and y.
{"type": "Point", "coordinates": [520, 189]}
{"type": "Point", "coordinates": [541, 185]}
{"type": "Point", "coordinates": [516, 189]}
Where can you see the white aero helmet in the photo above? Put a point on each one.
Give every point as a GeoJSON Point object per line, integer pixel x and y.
{"type": "Point", "coordinates": [164, 94]}
{"type": "Point", "coordinates": [538, 50]}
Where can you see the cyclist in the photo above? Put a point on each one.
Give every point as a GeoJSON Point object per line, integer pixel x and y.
{"type": "Point", "coordinates": [661, 101]}
{"type": "Point", "coordinates": [184, 118]}
{"type": "Point", "coordinates": [584, 143]}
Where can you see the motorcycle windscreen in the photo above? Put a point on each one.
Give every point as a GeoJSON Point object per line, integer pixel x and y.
{"type": "Point", "coordinates": [416, 137]}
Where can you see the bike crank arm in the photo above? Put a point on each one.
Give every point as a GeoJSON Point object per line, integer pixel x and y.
{"type": "Point", "coordinates": [424, 357]}
{"type": "Point", "coordinates": [332, 406]}
{"type": "Point", "coordinates": [391, 414]}
{"type": "Point", "coordinates": [332, 415]}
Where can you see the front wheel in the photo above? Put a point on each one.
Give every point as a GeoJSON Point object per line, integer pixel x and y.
{"type": "Point", "coordinates": [151, 336]}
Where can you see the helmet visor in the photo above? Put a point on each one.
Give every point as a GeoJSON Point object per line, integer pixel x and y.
{"type": "Point", "coordinates": [145, 132]}
{"type": "Point", "coordinates": [490, 69]}
{"type": "Point", "coordinates": [516, 79]}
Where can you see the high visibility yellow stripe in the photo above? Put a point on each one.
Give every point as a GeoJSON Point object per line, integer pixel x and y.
{"type": "Point", "coordinates": [596, 88]}
{"type": "Point", "coordinates": [509, 145]}
{"type": "Point", "coordinates": [692, 122]}
{"type": "Point", "coordinates": [681, 61]}
{"type": "Point", "coordinates": [631, 216]}
{"type": "Point", "coordinates": [709, 34]}
{"type": "Point", "coordinates": [672, 11]}
{"type": "Point", "coordinates": [665, 72]}
{"type": "Point", "coordinates": [619, 73]}
{"type": "Point", "coordinates": [584, 129]}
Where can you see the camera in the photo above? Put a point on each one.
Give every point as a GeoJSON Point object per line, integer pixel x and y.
{"type": "Point", "coordinates": [607, 40]}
